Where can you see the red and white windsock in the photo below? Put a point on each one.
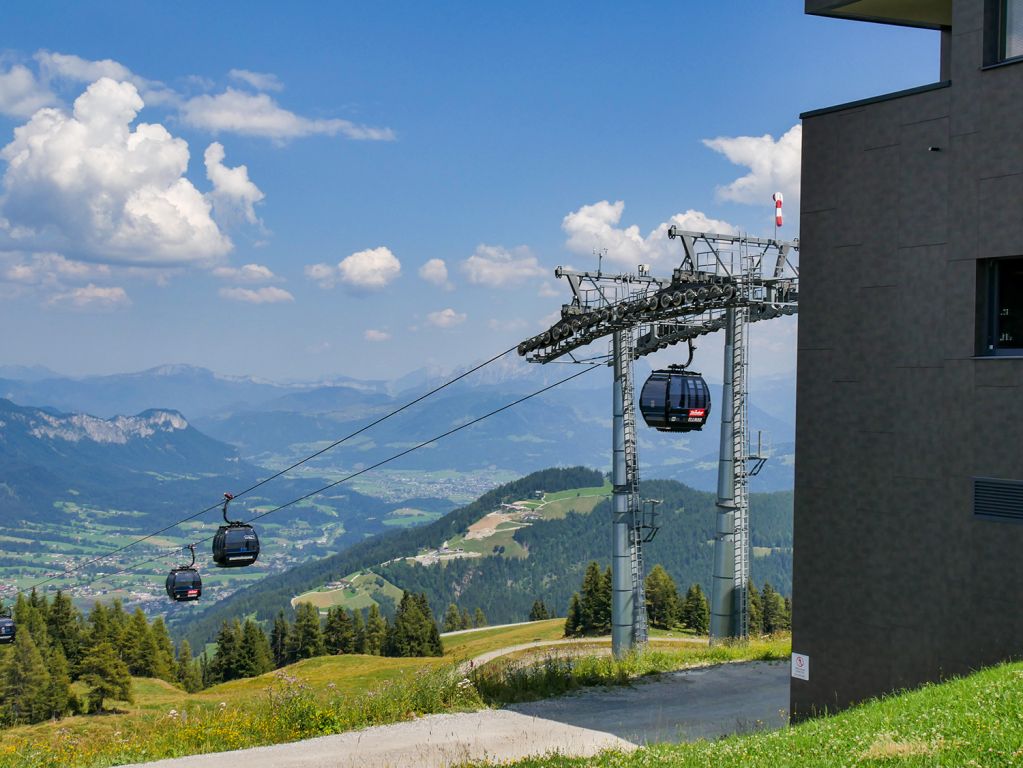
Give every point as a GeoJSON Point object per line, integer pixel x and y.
{"type": "Point", "coordinates": [777, 208]}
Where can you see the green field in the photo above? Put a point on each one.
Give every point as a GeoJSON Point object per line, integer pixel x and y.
{"type": "Point", "coordinates": [363, 590]}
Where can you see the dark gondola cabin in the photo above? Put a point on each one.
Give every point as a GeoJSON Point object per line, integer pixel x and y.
{"type": "Point", "coordinates": [7, 630]}
{"type": "Point", "coordinates": [235, 545]}
{"type": "Point", "coordinates": [675, 400]}
{"type": "Point", "coordinates": [184, 585]}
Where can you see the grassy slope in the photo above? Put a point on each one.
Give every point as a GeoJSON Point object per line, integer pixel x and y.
{"type": "Point", "coordinates": [973, 721]}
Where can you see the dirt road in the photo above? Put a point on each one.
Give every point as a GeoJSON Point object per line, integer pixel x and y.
{"type": "Point", "coordinates": [693, 704]}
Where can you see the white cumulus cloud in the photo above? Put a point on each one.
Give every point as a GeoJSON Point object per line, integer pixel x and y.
{"type": "Point", "coordinates": [90, 185]}
{"type": "Point", "coordinates": [261, 81]}
{"type": "Point", "coordinates": [446, 318]}
{"type": "Point", "coordinates": [63, 66]}
{"type": "Point", "coordinates": [268, 295]}
{"type": "Point", "coordinates": [368, 270]}
{"type": "Point", "coordinates": [372, 334]}
{"type": "Point", "coordinates": [597, 226]}
{"type": "Point", "coordinates": [50, 269]}
{"type": "Point", "coordinates": [774, 165]}
{"type": "Point", "coordinates": [233, 193]}
{"type": "Point", "coordinates": [256, 114]}
{"type": "Point", "coordinates": [21, 94]}
{"type": "Point", "coordinates": [91, 298]}
{"type": "Point", "coordinates": [247, 273]}
{"type": "Point", "coordinates": [497, 267]}
{"type": "Point", "coordinates": [435, 271]}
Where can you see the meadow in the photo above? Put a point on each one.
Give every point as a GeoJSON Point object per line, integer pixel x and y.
{"type": "Point", "coordinates": [331, 695]}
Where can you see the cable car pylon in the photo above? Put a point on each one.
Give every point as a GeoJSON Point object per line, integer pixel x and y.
{"type": "Point", "coordinates": [724, 282]}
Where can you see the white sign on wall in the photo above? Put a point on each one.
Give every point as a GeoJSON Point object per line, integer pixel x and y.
{"type": "Point", "coordinates": [800, 666]}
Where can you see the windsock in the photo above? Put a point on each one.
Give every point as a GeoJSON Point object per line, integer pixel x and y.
{"type": "Point", "coordinates": [777, 208]}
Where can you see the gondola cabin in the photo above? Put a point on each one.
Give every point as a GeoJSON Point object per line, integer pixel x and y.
{"type": "Point", "coordinates": [7, 630]}
{"type": "Point", "coordinates": [184, 585]}
{"type": "Point", "coordinates": [235, 545]}
{"type": "Point", "coordinates": [675, 400]}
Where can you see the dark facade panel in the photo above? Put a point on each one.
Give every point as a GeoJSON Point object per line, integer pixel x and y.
{"type": "Point", "coordinates": [896, 581]}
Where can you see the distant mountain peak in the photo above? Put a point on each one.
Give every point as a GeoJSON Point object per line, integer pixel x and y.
{"type": "Point", "coordinates": [79, 427]}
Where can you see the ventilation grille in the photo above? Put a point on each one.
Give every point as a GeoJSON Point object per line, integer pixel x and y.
{"type": "Point", "coordinates": [998, 499]}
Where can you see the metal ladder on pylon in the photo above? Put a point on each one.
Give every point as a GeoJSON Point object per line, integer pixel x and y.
{"type": "Point", "coordinates": [640, 628]}
{"type": "Point", "coordinates": [740, 447]}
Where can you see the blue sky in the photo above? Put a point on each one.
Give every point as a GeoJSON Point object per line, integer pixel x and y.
{"type": "Point", "coordinates": [503, 140]}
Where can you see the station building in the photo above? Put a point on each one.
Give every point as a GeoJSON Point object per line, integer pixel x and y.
{"type": "Point", "coordinates": [909, 436]}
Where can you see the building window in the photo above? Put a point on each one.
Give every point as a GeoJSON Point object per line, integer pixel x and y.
{"type": "Point", "coordinates": [1002, 306]}
{"type": "Point", "coordinates": [1011, 29]}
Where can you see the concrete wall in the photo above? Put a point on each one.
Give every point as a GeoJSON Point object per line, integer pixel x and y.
{"type": "Point", "coordinates": [895, 581]}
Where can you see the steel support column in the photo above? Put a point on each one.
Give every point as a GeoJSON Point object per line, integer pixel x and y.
{"type": "Point", "coordinates": [621, 582]}
{"type": "Point", "coordinates": [723, 583]}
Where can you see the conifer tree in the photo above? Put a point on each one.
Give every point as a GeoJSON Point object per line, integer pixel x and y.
{"type": "Point", "coordinates": [58, 693]}
{"type": "Point", "coordinates": [106, 676]}
{"type": "Point", "coordinates": [30, 616]}
{"type": "Point", "coordinates": [359, 629]}
{"type": "Point", "coordinates": [696, 610]}
{"type": "Point", "coordinates": [539, 611]}
{"type": "Point", "coordinates": [227, 660]}
{"type": "Point", "coordinates": [479, 619]}
{"type": "Point", "coordinates": [662, 600]}
{"type": "Point", "coordinates": [189, 675]}
{"type": "Point", "coordinates": [138, 649]}
{"type": "Point", "coordinates": [452, 618]}
{"type": "Point", "coordinates": [163, 666]}
{"type": "Point", "coordinates": [339, 631]}
{"type": "Point", "coordinates": [590, 598]}
{"type": "Point", "coordinates": [573, 620]}
{"type": "Point", "coordinates": [64, 625]}
{"type": "Point", "coordinates": [756, 610]}
{"type": "Point", "coordinates": [307, 637]}
{"type": "Point", "coordinates": [280, 640]}
{"type": "Point", "coordinates": [414, 632]}
{"type": "Point", "coordinates": [256, 656]}
{"type": "Point", "coordinates": [466, 619]}
{"type": "Point", "coordinates": [26, 681]}
{"type": "Point", "coordinates": [376, 632]}
{"type": "Point", "coordinates": [775, 618]}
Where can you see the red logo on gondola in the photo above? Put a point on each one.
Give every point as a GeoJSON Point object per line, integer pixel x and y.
{"type": "Point", "coordinates": [193, 592]}
{"type": "Point", "coordinates": [697, 411]}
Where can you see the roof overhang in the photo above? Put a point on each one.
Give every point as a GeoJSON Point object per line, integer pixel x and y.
{"type": "Point", "coordinates": [930, 14]}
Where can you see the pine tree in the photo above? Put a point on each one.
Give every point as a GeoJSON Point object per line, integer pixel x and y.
{"type": "Point", "coordinates": [662, 601]}
{"type": "Point", "coordinates": [696, 610]}
{"type": "Point", "coordinates": [339, 631]}
{"type": "Point", "coordinates": [452, 619]}
{"type": "Point", "coordinates": [163, 666]}
{"type": "Point", "coordinates": [138, 649]}
{"type": "Point", "coordinates": [479, 619]}
{"type": "Point", "coordinates": [591, 596]}
{"type": "Point", "coordinates": [106, 676]}
{"type": "Point", "coordinates": [227, 663]}
{"type": "Point", "coordinates": [26, 681]}
{"type": "Point", "coordinates": [307, 638]}
{"type": "Point", "coordinates": [359, 629]}
{"type": "Point", "coordinates": [58, 692]}
{"type": "Point", "coordinates": [64, 625]}
{"type": "Point", "coordinates": [756, 610]}
{"type": "Point", "coordinates": [280, 640]}
{"type": "Point", "coordinates": [775, 618]}
{"type": "Point", "coordinates": [466, 619]}
{"type": "Point", "coordinates": [573, 620]}
{"type": "Point", "coordinates": [189, 675]}
{"type": "Point", "coordinates": [414, 632]}
{"type": "Point", "coordinates": [256, 656]}
{"type": "Point", "coordinates": [30, 616]}
{"type": "Point", "coordinates": [539, 611]}
{"type": "Point", "coordinates": [376, 632]}
{"type": "Point", "coordinates": [603, 625]}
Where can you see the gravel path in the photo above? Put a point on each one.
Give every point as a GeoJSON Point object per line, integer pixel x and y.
{"type": "Point", "coordinates": [693, 704]}
{"type": "Point", "coordinates": [483, 658]}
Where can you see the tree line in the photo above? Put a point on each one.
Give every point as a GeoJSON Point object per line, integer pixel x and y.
{"type": "Point", "coordinates": [245, 650]}
{"type": "Point", "coordinates": [56, 645]}
{"type": "Point", "coordinates": [589, 611]}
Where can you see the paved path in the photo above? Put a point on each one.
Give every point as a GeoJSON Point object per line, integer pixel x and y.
{"type": "Point", "coordinates": [693, 704]}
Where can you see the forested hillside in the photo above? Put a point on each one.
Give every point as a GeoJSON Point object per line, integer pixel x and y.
{"type": "Point", "coordinates": [275, 592]}
{"type": "Point", "coordinates": [559, 551]}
